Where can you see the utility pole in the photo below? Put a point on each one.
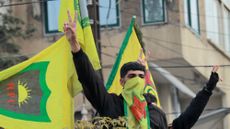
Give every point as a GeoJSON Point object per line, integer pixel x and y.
{"type": "Point", "coordinates": [93, 10]}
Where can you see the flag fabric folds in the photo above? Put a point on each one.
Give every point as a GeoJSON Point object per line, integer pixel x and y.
{"type": "Point", "coordinates": [129, 51]}
{"type": "Point", "coordinates": [84, 32]}
{"type": "Point", "coordinates": [38, 93]}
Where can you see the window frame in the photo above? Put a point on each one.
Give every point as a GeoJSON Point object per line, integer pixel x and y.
{"type": "Point", "coordinates": [189, 16]}
{"type": "Point", "coordinates": [225, 8]}
{"type": "Point", "coordinates": [117, 24]}
{"type": "Point", "coordinates": [45, 21]}
{"type": "Point", "coordinates": [144, 22]}
{"type": "Point", "coordinates": [213, 34]}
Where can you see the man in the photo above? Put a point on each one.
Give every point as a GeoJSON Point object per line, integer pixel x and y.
{"type": "Point", "coordinates": [132, 78]}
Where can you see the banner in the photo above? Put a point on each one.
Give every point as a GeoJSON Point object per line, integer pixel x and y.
{"type": "Point", "coordinates": [38, 93]}
{"type": "Point", "coordinates": [129, 51]}
{"type": "Point", "coordinates": [84, 32]}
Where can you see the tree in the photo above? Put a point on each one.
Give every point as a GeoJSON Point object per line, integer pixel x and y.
{"type": "Point", "coordinates": [10, 28]}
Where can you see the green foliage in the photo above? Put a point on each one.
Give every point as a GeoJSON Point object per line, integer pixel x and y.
{"type": "Point", "coordinates": [10, 28]}
{"type": "Point", "coordinates": [102, 123]}
{"type": "Point", "coordinates": [7, 62]}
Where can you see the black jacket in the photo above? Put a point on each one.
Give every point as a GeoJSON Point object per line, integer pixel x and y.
{"type": "Point", "coordinates": [111, 105]}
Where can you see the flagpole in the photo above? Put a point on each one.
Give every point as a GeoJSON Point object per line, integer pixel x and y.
{"type": "Point", "coordinates": [93, 9]}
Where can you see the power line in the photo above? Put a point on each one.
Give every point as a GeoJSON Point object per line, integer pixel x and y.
{"type": "Point", "coordinates": [15, 4]}
{"type": "Point", "coordinates": [175, 24]}
{"type": "Point", "coordinates": [223, 85]}
{"type": "Point", "coordinates": [112, 56]}
{"type": "Point", "coordinates": [190, 66]}
{"type": "Point", "coordinates": [175, 66]}
{"type": "Point", "coordinates": [175, 43]}
{"type": "Point", "coordinates": [169, 42]}
{"type": "Point", "coordinates": [179, 12]}
{"type": "Point", "coordinates": [42, 1]}
{"type": "Point", "coordinates": [168, 48]}
{"type": "Point", "coordinates": [24, 3]}
{"type": "Point", "coordinates": [207, 110]}
{"type": "Point", "coordinates": [17, 55]}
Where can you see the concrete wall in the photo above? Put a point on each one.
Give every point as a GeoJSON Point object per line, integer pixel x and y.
{"type": "Point", "coordinates": [203, 52]}
{"type": "Point", "coordinates": [38, 41]}
{"type": "Point", "coordinates": [162, 40]}
{"type": "Point", "coordinates": [172, 39]}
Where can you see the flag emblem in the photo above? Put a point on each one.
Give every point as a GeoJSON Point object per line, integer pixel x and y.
{"type": "Point", "coordinates": [24, 95]}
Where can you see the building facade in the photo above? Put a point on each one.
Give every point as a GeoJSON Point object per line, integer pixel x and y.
{"type": "Point", "coordinates": [183, 37]}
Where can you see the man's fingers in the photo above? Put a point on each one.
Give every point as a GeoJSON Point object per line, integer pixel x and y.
{"type": "Point", "coordinates": [221, 79]}
{"type": "Point", "coordinates": [141, 62]}
{"type": "Point", "coordinates": [69, 16]}
{"type": "Point", "coordinates": [65, 26]}
{"type": "Point", "coordinates": [147, 55]}
{"type": "Point", "coordinates": [70, 29]}
{"type": "Point", "coordinates": [141, 54]}
{"type": "Point", "coordinates": [215, 68]}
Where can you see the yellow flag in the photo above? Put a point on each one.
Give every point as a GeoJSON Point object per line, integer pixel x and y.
{"type": "Point", "coordinates": [84, 32]}
{"type": "Point", "coordinates": [38, 93]}
{"type": "Point", "coordinates": [129, 51]}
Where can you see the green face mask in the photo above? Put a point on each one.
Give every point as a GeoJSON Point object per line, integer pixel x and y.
{"type": "Point", "coordinates": [134, 86]}
{"type": "Point", "coordinates": [135, 104]}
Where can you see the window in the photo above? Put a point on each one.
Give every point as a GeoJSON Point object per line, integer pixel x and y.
{"type": "Point", "coordinates": [227, 29]}
{"type": "Point", "coordinates": [191, 13]}
{"type": "Point", "coordinates": [51, 9]}
{"type": "Point", "coordinates": [153, 11]}
{"type": "Point", "coordinates": [108, 12]}
{"type": "Point", "coordinates": [212, 8]}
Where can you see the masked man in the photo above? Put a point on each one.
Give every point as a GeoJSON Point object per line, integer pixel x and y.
{"type": "Point", "coordinates": [137, 106]}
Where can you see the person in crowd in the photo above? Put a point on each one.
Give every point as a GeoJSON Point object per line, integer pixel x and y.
{"type": "Point", "coordinates": [132, 76]}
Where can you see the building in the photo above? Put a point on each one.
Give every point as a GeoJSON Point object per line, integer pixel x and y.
{"type": "Point", "coordinates": [183, 36]}
{"type": "Point", "coordinates": [177, 33]}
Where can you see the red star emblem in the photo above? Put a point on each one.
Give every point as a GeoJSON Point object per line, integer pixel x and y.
{"type": "Point", "coordinates": [138, 108]}
{"type": "Point", "coordinates": [147, 79]}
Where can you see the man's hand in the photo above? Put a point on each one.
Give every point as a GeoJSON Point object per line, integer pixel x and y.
{"type": "Point", "coordinates": [142, 60]}
{"type": "Point", "coordinates": [215, 68]}
{"type": "Point", "coordinates": [70, 32]}
{"type": "Point", "coordinates": [214, 78]}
